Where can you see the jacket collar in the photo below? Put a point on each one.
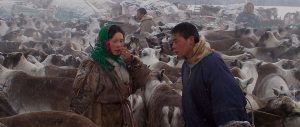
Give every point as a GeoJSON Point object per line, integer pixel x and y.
{"type": "Point", "coordinates": [146, 17]}
{"type": "Point", "coordinates": [199, 52]}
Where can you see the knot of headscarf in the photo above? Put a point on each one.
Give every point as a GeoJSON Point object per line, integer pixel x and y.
{"type": "Point", "coordinates": [100, 53]}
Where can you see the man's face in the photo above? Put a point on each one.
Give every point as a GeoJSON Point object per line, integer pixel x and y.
{"type": "Point", "coordinates": [249, 8]}
{"type": "Point", "coordinates": [139, 15]}
{"type": "Point", "coordinates": [181, 46]}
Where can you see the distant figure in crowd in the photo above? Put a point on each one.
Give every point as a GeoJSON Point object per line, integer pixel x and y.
{"type": "Point", "coordinates": [211, 96]}
{"type": "Point", "coordinates": [146, 22]}
{"type": "Point", "coordinates": [248, 17]}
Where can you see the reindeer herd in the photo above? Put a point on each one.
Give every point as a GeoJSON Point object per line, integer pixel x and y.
{"type": "Point", "coordinates": [39, 60]}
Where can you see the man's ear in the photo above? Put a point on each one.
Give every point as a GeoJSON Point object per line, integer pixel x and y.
{"type": "Point", "coordinates": [191, 40]}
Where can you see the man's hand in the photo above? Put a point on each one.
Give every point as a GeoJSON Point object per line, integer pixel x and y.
{"type": "Point", "coordinates": [126, 55]}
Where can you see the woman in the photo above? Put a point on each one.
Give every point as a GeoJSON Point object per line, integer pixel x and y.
{"type": "Point", "coordinates": [104, 82]}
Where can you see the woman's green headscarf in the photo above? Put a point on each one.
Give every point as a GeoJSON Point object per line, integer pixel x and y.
{"type": "Point", "coordinates": [100, 52]}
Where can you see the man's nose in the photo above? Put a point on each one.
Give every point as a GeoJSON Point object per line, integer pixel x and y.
{"type": "Point", "coordinates": [173, 45]}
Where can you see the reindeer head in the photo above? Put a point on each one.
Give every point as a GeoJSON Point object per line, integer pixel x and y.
{"type": "Point", "coordinates": [244, 83]}
{"type": "Point", "coordinates": [12, 59]}
{"type": "Point", "coordinates": [159, 76]}
{"type": "Point", "coordinates": [281, 105]}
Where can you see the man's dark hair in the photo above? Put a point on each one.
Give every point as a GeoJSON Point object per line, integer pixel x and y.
{"type": "Point", "coordinates": [142, 11]}
{"type": "Point", "coordinates": [186, 30]}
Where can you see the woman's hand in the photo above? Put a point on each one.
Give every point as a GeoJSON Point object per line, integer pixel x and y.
{"type": "Point", "coordinates": [126, 55]}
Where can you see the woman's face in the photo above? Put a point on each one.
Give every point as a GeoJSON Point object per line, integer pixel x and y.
{"type": "Point", "coordinates": [117, 44]}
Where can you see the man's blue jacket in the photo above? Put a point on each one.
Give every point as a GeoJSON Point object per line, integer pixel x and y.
{"type": "Point", "coordinates": [211, 96]}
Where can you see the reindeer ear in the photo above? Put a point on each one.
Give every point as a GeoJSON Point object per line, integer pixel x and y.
{"type": "Point", "coordinates": [140, 50]}
{"type": "Point", "coordinates": [250, 80]}
{"type": "Point", "coordinates": [19, 55]}
{"type": "Point", "coordinates": [157, 51]}
{"type": "Point", "coordinates": [259, 64]}
{"type": "Point", "coordinates": [161, 74]}
{"type": "Point", "coordinates": [276, 91]}
{"type": "Point", "coordinates": [281, 88]}
{"type": "Point", "coordinates": [160, 29]}
{"type": "Point", "coordinates": [296, 94]}
{"type": "Point", "coordinates": [237, 63]}
{"type": "Point", "coordinates": [4, 54]}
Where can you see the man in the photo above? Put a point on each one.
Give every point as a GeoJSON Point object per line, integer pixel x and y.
{"type": "Point", "coordinates": [211, 97]}
{"type": "Point", "coordinates": [248, 17]}
{"type": "Point", "coordinates": [146, 22]}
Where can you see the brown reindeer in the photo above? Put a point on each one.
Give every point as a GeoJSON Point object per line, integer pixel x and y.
{"type": "Point", "coordinates": [5, 108]}
{"type": "Point", "coordinates": [280, 111]}
{"type": "Point", "coordinates": [163, 103]}
{"type": "Point", "coordinates": [18, 61]}
{"type": "Point", "coordinates": [47, 119]}
{"type": "Point", "coordinates": [28, 93]}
